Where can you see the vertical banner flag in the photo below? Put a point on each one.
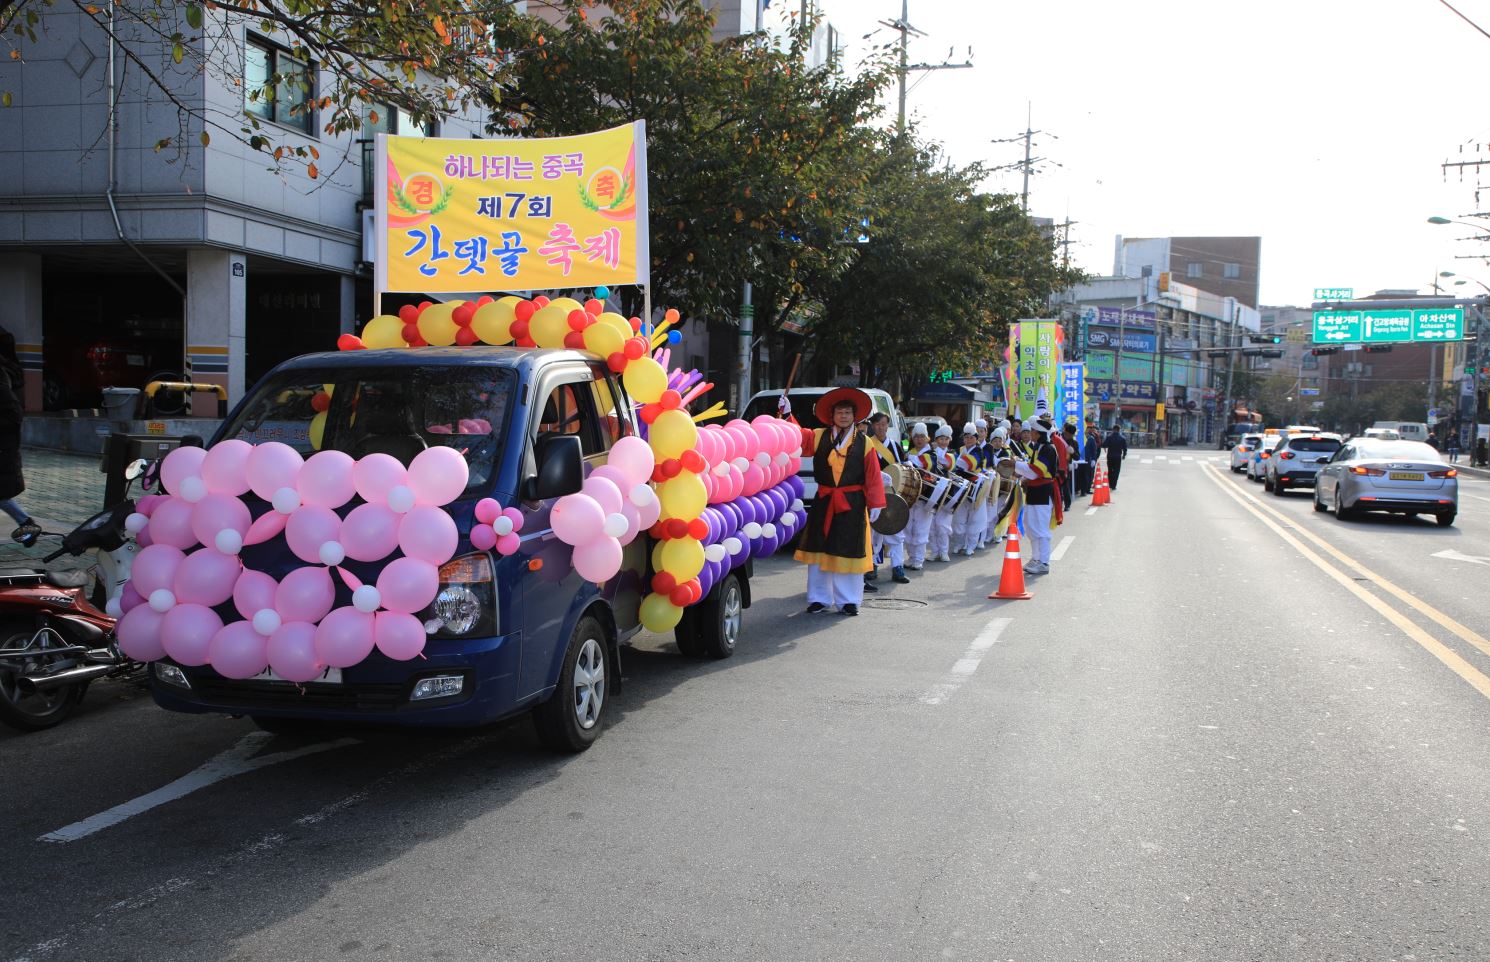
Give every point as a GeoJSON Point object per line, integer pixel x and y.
{"type": "Point", "coordinates": [1073, 398]}
{"type": "Point", "coordinates": [511, 215]}
{"type": "Point", "coordinates": [1036, 355]}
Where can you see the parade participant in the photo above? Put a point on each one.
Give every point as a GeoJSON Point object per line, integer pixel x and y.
{"type": "Point", "coordinates": [1086, 474]}
{"type": "Point", "coordinates": [1073, 448]}
{"type": "Point", "coordinates": [1063, 455]}
{"type": "Point", "coordinates": [939, 544]}
{"type": "Point", "coordinates": [967, 520]}
{"type": "Point", "coordinates": [886, 544]}
{"type": "Point", "coordinates": [1042, 507]}
{"type": "Point", "coordinates": [835, 542]}
{"type": "Point", "coordinates": [918, 530]}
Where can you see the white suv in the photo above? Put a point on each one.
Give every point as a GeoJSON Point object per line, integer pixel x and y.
{"type": "Point", "coordinates": [1297, 461]}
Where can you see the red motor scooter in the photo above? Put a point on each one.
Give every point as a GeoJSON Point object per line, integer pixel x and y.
{"type": "Point", "coordinates": [54, 638]}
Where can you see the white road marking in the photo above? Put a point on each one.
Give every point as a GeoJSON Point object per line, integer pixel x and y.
{"type": "Point", "coordinates": [1453, 555]}
{"type": "Point", "coordinates": [1187, 458]}
{"type": "Point", "coordinates": [1161, 457]}
{"type": "Point", "coordinates": [1059, 551]}
{"type": "Point", "coordinates": [968, 663]}
{"type": "Point", "coordinates": [1090, 512]}
{"type": "Point", "coordinates": [235, 761]}
{"type": "Point", "coordinates": [1147, 461]}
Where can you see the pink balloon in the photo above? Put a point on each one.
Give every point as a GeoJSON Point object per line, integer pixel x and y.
{"type": "Point", "coordinates": [237, 651]}
{"type": "Point", "coordinates": [633, 456]}
{"type": "Point", "coordinates": [374, 475]}
{"type": "Point", "coordinates": [186, 631]}
{"type": "Point", "coordinates": [155, 568]}
{"type": "Point", "coordinates": [143, 539]}
{"type": "Point", "coordinates": [206, 577]}
{"type": "Point", "coordinates": [508, 544]}
{"type": "Point", "coordinates": [408, 585]}
{"type": "Point", "coordinates": [129, 598]}
{"type": "Point", "coordinates": [633, 521]}
{"type": "Point", "coordinates": [225, 469]}
{"type": "Point", "coordinates": [170, 523]}
{"type": "Point", "coordinates": [397, 635]}
{"type": "Point", "coordinates": [438, 475]}
{"type": "Point", "coordinates": [615, 476]}
{"type": "Point", "coordinates": [216, 512]}
{"type": "Point", "coordinates": [146, 505]}
{"type": "Point", "coordinates": [344, 638]}
{"type": "Point", "coordinates": [305, 594]}
{"type": "Point", "coordinates": [272, 466]}
{"type": "Point", "coordinates": [605, 492]}
{"type": "Point", "coordinates": [483, 538]}
{"type": "Point", "coordinates": [310, 527]}
{"type": "Point", "coordinates": [370, 532]}
{"type": "Point", "coordinates": [576, 519]}
{"type": "Point", "coordinates": [265, 526]}
{"type": "Point", "coordinates": [727, 444]}
{"type": "Point", "coordinates": [292, 652]}
{"type": "Point", "coordinates": [429, 534]}
{"type": "Point", "coordinates": [598, 560]}
{"type": "Point", "coordinates": [139, 634]}
{"type": "Point", "coordinates": [180, 464]}
{"type": "Point", "coordinates": [253, 592]}
{"type": "Point", "coordinates": [488, 510]}
{"type": "Point", "coordinates": [648, 514]}
{"type": "Point", "coordinates": [515, 516]}
{"type": "Point", "coordinates": [326, 480]}
{"type": "Point", "coordinates": [706, 444]}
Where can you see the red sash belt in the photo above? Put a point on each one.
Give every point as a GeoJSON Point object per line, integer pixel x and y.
{"type": "Point", "coordinates": [838, 503]}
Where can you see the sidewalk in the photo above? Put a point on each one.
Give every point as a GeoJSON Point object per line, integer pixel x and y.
{"type": "Point", "coordinates": [62, 491]}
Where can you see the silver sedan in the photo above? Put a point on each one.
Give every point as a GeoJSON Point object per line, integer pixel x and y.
{"type": "Point", "coordinates": [1405, 477]}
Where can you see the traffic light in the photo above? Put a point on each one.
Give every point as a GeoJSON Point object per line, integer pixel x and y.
{"type": "Point", "coordinates": [1265, 338]}
{"type": "Point", "coordinates": [1378, 348]}
{"type": "Point", "coordinates": [1322, 351]}
{"type": "Point", "coordinates": [1270, 353]}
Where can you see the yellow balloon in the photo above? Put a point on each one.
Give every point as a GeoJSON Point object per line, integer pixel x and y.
{"type": "Point", "coordinates": [621, 325]}
{"type": "Point", "coordinates": [436, 325]}
{"type": "Point", "coordinates": [549, 325]}
{"type": "Point", "coordinates": [659, 614]}
{"type": "Point", "coordinates": [384, 331]}
{"type": "Point", "coordinates": [672, 433]}
{"type": "Point", "coordinates": [318, 430]}
{"type": "Point", "coordinates": [603, 340]}
{"type": "Point", "coordinates": [645, 380]}
{"type": "Point", "coordinates": [657, 555]}
{"type": "Point", "coordinates": [683, 497]}
{"type": "Point", "coordinates": [567, 303]}
{"type": "Point", "coordinates": [492, 322]}
{"type": "Point", "coordinates": [683, 558]}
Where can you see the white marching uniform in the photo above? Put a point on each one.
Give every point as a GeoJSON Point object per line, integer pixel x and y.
{"type": "Point", "coordinates": [939, 545]}
{"type": "Point", "coordinates": [892, 545]}
{"type": "Point", "coordinates": [918, 530]}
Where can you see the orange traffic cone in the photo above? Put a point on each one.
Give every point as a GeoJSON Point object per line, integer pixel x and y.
{"type": "Point", "coordinates": [1011, 579]}
{"type": "Point", "coordinates": [1101, 497]}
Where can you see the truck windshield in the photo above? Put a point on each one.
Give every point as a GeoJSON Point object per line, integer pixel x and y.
{"type": "Point", "coordinates": [397, 410]}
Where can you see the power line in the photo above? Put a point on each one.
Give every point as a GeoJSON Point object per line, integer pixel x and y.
{"type": "Point", "coordinates": [1465, 19]}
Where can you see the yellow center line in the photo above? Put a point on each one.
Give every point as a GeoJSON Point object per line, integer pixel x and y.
{"type": "Point", "coordinates": [1453, 661]}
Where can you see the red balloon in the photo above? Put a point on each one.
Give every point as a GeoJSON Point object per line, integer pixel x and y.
{"type": "Point", "coordinates": [349, 342]}
{"type": "Point", "coordinates": [693, 461]}
{"type": "Point", "coordinates": [575, 340]}
{"type": "Point", "coordinates": [411, 333]}
{"type": "Point", "coordinates": [698, 529]}
{"type": "Point", "coordinates": [523, 310]}
{"type": "Point", "coordinates": [616, 362]}
{"type": "Point", "coordinates": [578, 320]}
{"type": "Point", "coordinates": [320, 401]}
{"type": "Point", "coordinates": [679, 596]}
{"type": "Point", "coordinates": [526, 342]}
{"type": "Point", "coordinates": [408, 313]}
{"type": "Point", "coordinates": [462, 315]}
{"type": "Point", "coordinates": [658, 531]}
{"type": "Point", "coordinates": [636, 324]}
{"type": "Point", "coordinates": [635, 348]}
{"type": "Point", "coordinates": [671, 400]}
{"type": "Point", "coordinates": [594, 306]}
{"type": "Point", "coordinates": [465, 337]}
{"type": "Point", "coordinates": [671, 467]}
{"type": "Point", "coordinates": [520, 328]}
{"type": "Point", "coordinates": [540, 301]}
{"type": "Point", "coordinates": [676, 528]}
{"type": "Point", "coordinates": [663, 583]}
{"type": "Point", "coordinates": [484, 300]}
{"type": "Point", "coordinates": [650, 412]}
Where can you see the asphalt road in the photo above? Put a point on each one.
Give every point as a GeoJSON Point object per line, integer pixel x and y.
{"type": "Point", "coordinates": [1208, 737]}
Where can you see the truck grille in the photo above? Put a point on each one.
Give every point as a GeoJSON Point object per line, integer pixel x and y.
{"type": "Point", "coordinates": [251, 695]}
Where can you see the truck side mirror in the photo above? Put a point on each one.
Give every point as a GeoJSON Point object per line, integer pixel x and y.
{"type": "Point", "coordinates": [560, 468]}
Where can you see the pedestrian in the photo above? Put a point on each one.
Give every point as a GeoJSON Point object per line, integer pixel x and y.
{"type": "Point", "coordinates": [1086, 474]}
{"type": "Point", "coordinates": [1481, 453]}
{"type": "Point", "coordinates": [918, 529]}
{"type": "Point", "coordinates": [12, 480]}
{"type": "Point", "coordinates": [1453, 447]}
{"type": "Point", "coordinates": [1042, 498]}
{"type": "Point", "coordinates": [1433, 440]}
{"type": "Point", "coordinates": [892, 545]}
{"type": "Point", "coordinates": [1116, 447]}
{"type": "Point", "coordinates": [835, 543]}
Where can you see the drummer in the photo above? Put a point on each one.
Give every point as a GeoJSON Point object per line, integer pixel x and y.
{"type": "Point", "coordinates": [919, 529]}
{"type": "Point", "coordinates": [939, 545]}
{"type": "Point", "coordinates": [883, 544]}
{"type": "Point", "coordinates": [997, 451]}
{"type": "Point", "coordinates": [967, 519]}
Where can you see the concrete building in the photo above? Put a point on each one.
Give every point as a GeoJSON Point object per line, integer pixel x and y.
{"type": "Point", "coordinates": [1223, 266]}
{"type": "Point", "coordinates": [1295, 325]}
{"type": "Point", "coordinates": [125, 263]}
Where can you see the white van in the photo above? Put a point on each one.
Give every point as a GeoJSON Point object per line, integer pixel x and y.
{"type": "Point", "coordinates": [804, 400]}
{"type": "Point", "coordinates": [1406, 430]}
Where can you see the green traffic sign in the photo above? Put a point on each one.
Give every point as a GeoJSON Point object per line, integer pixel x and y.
{"type": "Point", "coordinates": [1389, 327]}
{"type": "Point", "coordinates": [1333, 293]}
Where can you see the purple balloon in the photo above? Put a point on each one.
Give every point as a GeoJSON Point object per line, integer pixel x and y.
{"type": "Point", "coordinates": [305, 594]}
{"type": "Point", "coordinates": [155, 568]}
{"type": "Point", "coordinates": [370, 532]}
{"type": "Point", "coordinates": [344, 637]}
{"type": "Point", "coordinates": [139, 634]}
{"type": "Point", "coordinates": [206, 577]}
{"type": "Point", "coordinates": [795, 483]}
{"type": "Point", "coordinates": [253, 592]}
{"type": "Point", "coordinates": [129, 598]}
{"type": "Point", "coordinates": [292, 652]}
{"type": "Point", "coordinates": [237, 651]}
{"type": "Point", "coordinates": [397, 635]}
{"type": "Point", "coordinates": [186, 632]}
{"type": "Point", "coordinates": [408, 585]}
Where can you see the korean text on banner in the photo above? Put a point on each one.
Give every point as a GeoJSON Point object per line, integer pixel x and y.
{"type": "Point", "coordinates": [1073, 398]}
{"type": "Point", "coordinates": [1035, 359]}
{"type": "Point", "coordinates": [512, 215]}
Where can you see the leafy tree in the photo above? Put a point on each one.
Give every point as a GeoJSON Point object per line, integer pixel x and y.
{"type": "Point", "coordinates": [426, 57]}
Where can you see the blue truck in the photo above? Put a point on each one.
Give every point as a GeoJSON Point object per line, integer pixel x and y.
{"type": "Point", "coordinates": [507, 634]}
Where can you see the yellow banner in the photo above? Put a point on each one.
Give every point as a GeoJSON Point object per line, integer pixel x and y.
{"type": "Point", "coordinates": [512, 215]}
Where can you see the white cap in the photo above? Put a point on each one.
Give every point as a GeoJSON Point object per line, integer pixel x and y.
{"type": "Point", "coordinates": [945, 431]}
{"type": "Point", "coordinates": [1006, 424]}
{"type": "Point", "coordinates": [1002, 433]}
{"type": "Point", "coordinates": [969, 428]}
{"type": "Point", "coordinates": [918, 430]}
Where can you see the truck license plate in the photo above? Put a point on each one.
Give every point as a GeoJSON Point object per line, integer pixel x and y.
{"type": "Point", "coordinates": [331, 676]}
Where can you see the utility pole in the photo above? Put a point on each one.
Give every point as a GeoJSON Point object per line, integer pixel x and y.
{"type": "Point", "coordinates": [1027, 166]}
{"type": "Point", "coordinates": [904, 28]}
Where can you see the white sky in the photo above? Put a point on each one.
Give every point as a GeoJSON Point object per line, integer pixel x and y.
{"type": "Point", "coordinates": [1319, 125]}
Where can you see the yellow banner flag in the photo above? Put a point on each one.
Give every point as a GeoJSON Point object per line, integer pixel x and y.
{"type": "Point", "coordinates": [512, 215]}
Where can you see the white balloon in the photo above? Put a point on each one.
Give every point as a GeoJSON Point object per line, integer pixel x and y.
{"type": "Point", "coordinates": [115, 607]}
{"type": "Point", "coordinates": [193, 489]}
{"type": "Point", "coordinates": [741, 464]}
{"type": "Point", "coordinates": [797, 504]}
{"type": "Point", "coordinates": [332, 553]}
{"type": "Point", "coordinates": [616, 525]}
{"type": "Point", "coordinates": [266, 621]}
{"type": "Point", "coordinates": [400, 499]}
{"type": "Point", "coordinates": [502, 525]}
{"type": "Point", "coordinates": [789, 519]}
{"type": "Point", "coordinates": [642, 495]}
{"type": "Point", "coordinates": [162, 600]}
{"type": "Point", "coordinates": [721, 469]}
{"type": "Point", "coordinates": [783, 459]}
{"type": "Point", "coordinates": [367, 598]}
{"type": "Point", "coordinates": [286, 500]}
{"type": "Point", "coordinates": [769, 530]}
{"type": "Point", "coordinates": [136, 523]}
{"type": "Point", "coordinates": [228, 541]}
{"type": "Point", "coordinates": [752, 530]}
{"type": "Point", "coordinates": [734, 545]}
{"type": "Point", "coordinates": [763, 459]}
{"type": "Point", "coordinates": [715, 552]}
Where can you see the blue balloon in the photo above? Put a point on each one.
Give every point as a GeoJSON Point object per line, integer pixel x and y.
{"type": "Point", "coordinates": [674, 337]}
{"type": "Point", "coordinates": [602, 292]}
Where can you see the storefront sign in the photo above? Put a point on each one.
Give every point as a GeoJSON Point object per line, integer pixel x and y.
{"type": "Point", "coordinates": [1106, 339]}
{"type": "Point", "coordinates": [1125, 317]}
{"type": "Point", "coordinates": [1140, 392]}
{"type": "Point", "coordinates": [512, 215]}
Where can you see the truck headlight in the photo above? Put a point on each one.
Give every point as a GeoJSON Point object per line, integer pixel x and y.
{"type": "Point", "coordinates": [467, 601]}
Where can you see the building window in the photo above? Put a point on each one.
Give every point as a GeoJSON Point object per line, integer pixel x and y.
{"type": "Point", "coordinates": [1231, 271]}
{"type": "Point", "coordinates": [277, 86]}
{"type": "Point", "coordinates": [1194, 269]}
{"type": "Point", "coordinates": [383, 119]}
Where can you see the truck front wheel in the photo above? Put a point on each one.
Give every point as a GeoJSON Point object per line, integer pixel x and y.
{"type": "Point", "coordinates": [717, 621]}
{"type": "Point", "coordinates": [570, 720]}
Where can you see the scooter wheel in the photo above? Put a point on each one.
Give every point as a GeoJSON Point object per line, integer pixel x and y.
{"type": "Point", "coordinates": [31, 711]}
